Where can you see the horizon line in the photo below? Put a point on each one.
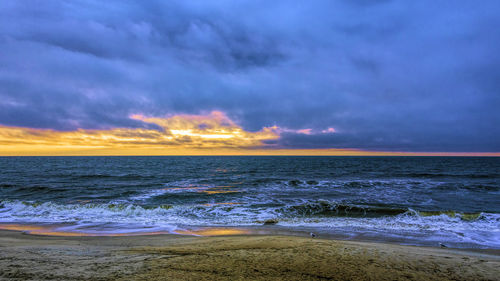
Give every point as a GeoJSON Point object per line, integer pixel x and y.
{"type": "Point", "coordinates": [281, 152]}
{"type": "Point", "coordinates": [249, 155]}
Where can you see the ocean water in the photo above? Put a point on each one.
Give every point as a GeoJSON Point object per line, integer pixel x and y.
{"type": "Point", "coordinates": [410, 200]}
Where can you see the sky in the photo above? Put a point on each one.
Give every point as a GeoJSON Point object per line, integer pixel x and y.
{"type": "Point", "coordinates": [350, 77]}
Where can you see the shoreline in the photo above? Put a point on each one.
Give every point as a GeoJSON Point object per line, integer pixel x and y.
{"type": "Point", "coordinates": [255, 257]}
{"type": "Point", "coordinates": [62, 230]}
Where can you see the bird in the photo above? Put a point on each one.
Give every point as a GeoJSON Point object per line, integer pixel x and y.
{"type": "Point", "coordinates": [442, 245]}
{"type": "Point", "coordinates": [312, 235]}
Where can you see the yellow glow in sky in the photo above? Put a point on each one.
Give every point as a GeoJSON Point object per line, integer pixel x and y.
{"type": "Point", "coordinates": [182, 133]}
{"type": "Point", "coordinates": [210, 134]}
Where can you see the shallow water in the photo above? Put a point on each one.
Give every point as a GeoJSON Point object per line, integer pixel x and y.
{"type": "Point", "coordinates": [412, 200]}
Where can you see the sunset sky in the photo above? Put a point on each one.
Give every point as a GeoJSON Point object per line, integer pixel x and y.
{"type": "Point", "coordinates": [353, 77]}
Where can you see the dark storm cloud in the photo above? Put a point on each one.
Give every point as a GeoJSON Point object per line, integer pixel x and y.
{"type": "Point", "coordinates": [387, 75]}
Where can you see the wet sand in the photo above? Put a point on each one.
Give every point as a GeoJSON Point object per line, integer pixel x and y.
{"type": "Point", "coordinates": [177, 257]}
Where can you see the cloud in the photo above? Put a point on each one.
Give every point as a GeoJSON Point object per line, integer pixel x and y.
{"type": "Point", "coordinates": [386, 75]}
{"type": "Point", "coordinates": [180, 132]}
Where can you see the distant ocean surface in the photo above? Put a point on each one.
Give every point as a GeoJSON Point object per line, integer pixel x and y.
{"type": "Point", "coordinates": [411, 200]}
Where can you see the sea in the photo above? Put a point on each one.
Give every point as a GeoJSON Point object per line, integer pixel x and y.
{"type": "Point", "coordinates": [430, 201]}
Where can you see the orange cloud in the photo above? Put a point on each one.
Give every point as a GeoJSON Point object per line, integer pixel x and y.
{"type": "Point", "coordinates": [179, 132]}
{"type": "Point", "coordinates": [329, 131]}
{"type": "Point", "coordinates": [305, 131]}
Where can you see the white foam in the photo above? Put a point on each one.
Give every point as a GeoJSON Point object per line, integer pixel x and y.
{"type": "Point", "coordinates": [483, 231]}
{"type": "Point", "coordinates": [172, 187]}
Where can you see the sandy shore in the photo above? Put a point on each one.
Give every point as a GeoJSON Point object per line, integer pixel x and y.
{"type": "Point", "coordinates": [175, 257]}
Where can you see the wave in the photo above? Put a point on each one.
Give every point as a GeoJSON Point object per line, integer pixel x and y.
{"type": "Point", "coordinates": [298, 182]}
{"type": "Point", "coordinates": [246, 212]}
{"type": "Point", "coordinates": [481, 229]}
{"type": "Point", "coordinates": [329, 209]}
{"type": "Point", "coordinates": [33, 189]}
{"type": "Point", "coordinates": [93, 176]}
{"type": "Point", "coordinates": [485, 187]}
{"type": "Point", "coordinates": [85, 212]}
{"type": "Point", "coordinates": [443, 175]}
{"type": "Point", "coordinates": [400, 184]}
{"type": "Point", "coordinates": [325, 208]}
{"type": "Point", "coordinates": [452, 214]}
{"type": "Point", "coordinates": [347, 184]}
{"type": "Point", "coordinates": [183, 189]}
{"type": "Point", "coordinates": [111, 176]}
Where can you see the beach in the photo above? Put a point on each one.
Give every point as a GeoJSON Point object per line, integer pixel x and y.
{"type": "Point", "coordinates": [240, 257]}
